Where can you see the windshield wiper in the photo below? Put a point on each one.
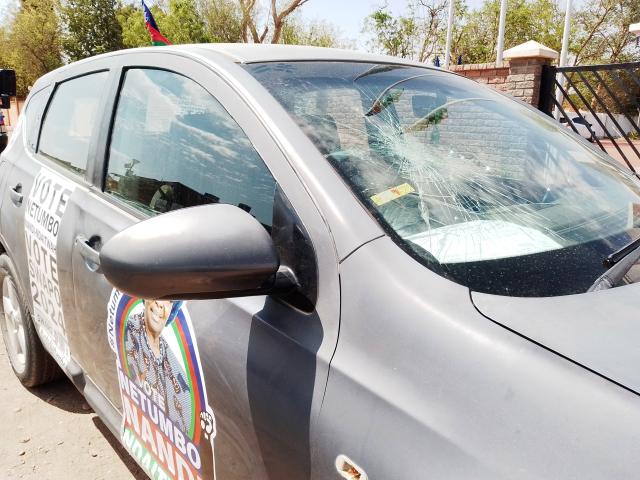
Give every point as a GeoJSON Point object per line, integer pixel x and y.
{"type": "Point", "coordinates": [619, 263]}
{"type": "Point", "coordinates": [619, 254]}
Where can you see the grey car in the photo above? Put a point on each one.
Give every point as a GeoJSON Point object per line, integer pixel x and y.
{"type": "Point", "coordinates": [270, 262]}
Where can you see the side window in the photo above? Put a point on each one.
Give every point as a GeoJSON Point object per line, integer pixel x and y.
{"type": "Point", "coordinates": [70, 120]}
{"type": "Point", "coordinates": [173, 145]}
{"type": "Point", "coordinates": [33, 116]}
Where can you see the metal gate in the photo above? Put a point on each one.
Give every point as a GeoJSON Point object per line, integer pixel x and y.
{"type": "Point", "coordinates": [599, 102]}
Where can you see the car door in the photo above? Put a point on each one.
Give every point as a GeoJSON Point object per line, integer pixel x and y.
{"type": "Point", "coordinates": [228, 387]}
{"type": "Point", "coordinates": [49, 163]}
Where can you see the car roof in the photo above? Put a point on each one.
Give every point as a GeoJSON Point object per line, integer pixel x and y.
{"type": "Point", "coordinates": [252, 53]}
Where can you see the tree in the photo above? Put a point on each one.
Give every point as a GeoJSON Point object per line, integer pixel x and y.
{"type": "Point", "coordinates": [316, 33]}
{"type": "Point", "coordinates": [602, 31]}
{"type": "Point", "coordinates": [395, 36]}
{"type": "Point", "coordinates": [539, 20]}
{"type": "Point", "coordinates": [33, 42]}
{"type": "Point", "coordinates": [131, 20]}
{"type": "Point", "coordinates": [222, 20]}
{"type": "Point", "coordinates": [183, 23]}
{"type": "Point", "coordinates": [273, 25]}
{"type": "Point", "coordinates": [418, 34]}
{"type": "Point", "coordinates": [91, 28]}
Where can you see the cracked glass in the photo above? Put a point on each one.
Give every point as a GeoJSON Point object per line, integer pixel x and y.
{"type": "Point", "coordinates": [476, 186]}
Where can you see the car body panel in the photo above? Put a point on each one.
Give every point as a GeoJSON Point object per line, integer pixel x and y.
{"type": "Point", "coordinates": [578, 327]}
{"type": "Point", "coordinates": [476, 400]}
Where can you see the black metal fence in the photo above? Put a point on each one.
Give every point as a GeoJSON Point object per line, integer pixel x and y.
{"type": "Point", "coordinates": [597, 94]}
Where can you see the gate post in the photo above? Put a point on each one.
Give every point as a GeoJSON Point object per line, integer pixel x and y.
{"type": "Point", "coordinates": [526, 62]}
{"type": "Point", "coordinates": [547, 89]}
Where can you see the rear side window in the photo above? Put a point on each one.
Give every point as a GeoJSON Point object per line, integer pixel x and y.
{"type": "Point", "coordinates": [70, 120]}
{"type": "Point", "coordinates": [33, 116]}
{"type": "Point", "coordinates": [173, 146]}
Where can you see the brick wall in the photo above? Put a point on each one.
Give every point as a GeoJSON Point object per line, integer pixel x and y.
{"type": "Point", "coordinates": [466, 132]}
{"type": "Point", "coordinates": [492, 74]}
{"type": "Point", "coordinates": [518, 77]}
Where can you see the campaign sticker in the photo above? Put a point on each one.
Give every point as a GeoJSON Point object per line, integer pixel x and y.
{"type": "Point", "coordinates": [167, 423]}
{"type": "Point", "coordinates": [44, 210]}
{"type": "Point", "coordinates": [392, 193]}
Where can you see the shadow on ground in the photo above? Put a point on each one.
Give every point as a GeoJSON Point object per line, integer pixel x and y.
{"type": "Point", "coordinates": [63, 394]}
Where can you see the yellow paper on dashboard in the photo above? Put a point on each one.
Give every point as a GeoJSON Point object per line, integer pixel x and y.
{"type": "Point", "coordinates": [392, 193]}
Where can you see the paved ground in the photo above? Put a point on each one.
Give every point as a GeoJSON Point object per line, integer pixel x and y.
{"type": "Point", "coordinates": [50, 433]}
{"type": "Point", "coordinates": [626, 149]}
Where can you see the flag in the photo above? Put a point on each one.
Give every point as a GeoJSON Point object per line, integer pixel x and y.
{"type": "Point", "coordinates": [149, 21]}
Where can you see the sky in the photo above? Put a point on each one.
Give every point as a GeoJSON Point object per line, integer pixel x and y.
{"type": "Point", "coordinates": [349, 15]}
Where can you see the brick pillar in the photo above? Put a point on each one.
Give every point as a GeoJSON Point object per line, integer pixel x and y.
{"type": "Point", "coordinates": [525, 70]}
{"type": "Point", "coordinates": [520, 75]}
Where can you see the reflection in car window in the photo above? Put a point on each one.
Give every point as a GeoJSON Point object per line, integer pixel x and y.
{"type": "Point", "coordinates": [173, 145]}
{"type": "Point", "coordinates": [477, 187]}
{"type": "Point", "coordinates": [70, 119]}
{"type": "Point", "coordinates": [33, 116]}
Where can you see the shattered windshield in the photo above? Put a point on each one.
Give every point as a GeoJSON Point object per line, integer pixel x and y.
{"type": "Point", "coordinates": [477, 187]}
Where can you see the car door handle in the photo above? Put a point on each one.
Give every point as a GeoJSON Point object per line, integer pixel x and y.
{"type": "Point", "coordinates": [88, 252]}
{"type": "Point", "coordinates": [16, 195]}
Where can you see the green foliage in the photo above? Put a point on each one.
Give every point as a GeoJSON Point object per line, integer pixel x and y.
{"type": "Point", "coordinates": [395, 36]}
{"type": "Point", "coordinates": [32, 43]}
{"type": "Point", "coordinates": [183, 23]}
{"type": "Point", "coordinates": [602, 32]}
{"type": "Point", "coordinates": [222, 20]}
{"type": "Point", "coordinates": [91, 28]}
{"type": "Point", "coordinates": [539, 20]}
{"type": "Point", "coordinates": [419, 34]}
{"type": "Point", "coordinates": [599, 31]}
{"type": "Point", "coordinates": [316, 33]}
{"type": "Point", "coordinates": [134, 32]}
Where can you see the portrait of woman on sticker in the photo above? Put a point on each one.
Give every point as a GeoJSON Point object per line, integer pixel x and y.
{"type": "Point", "coordinates": [153, 365]}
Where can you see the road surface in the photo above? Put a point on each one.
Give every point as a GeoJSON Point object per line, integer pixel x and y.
{"type": "Point", "coordinates": [51, 433]}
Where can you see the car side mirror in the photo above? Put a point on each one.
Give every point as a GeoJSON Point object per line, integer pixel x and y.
{"type": "Point", "coordinates": [5, 101]}
{"type": "Point", "coordinates": [209, 251]}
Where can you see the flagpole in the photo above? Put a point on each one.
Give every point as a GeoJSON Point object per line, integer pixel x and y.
{"type": "Point", "coordinates": [565, 35]}
{"type": "Point", "coordinates": [447, 54]}
{"type": "Point", "coordinates": [501, 25]}
{"type": "Point", "coordinates": [563, 54]}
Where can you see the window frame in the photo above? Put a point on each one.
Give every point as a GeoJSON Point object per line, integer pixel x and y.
{"type": "Point", "coordinates": [54, 162]}
{"type": "Point", "coordinates": [33, 94]}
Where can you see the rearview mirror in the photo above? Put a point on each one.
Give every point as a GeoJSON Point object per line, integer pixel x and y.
{"type": "Point", "coordinates": [210, 251]}
{"type": "Point", "coordinates": [422, 105]}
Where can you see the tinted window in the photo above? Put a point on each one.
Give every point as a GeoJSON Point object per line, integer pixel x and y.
{"type": "Point", "coordinates": [33, 116]}
{"type": "Point", "coordinates": [70, 120]}
{"type": "Point", "coordinates": [173, 145]}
